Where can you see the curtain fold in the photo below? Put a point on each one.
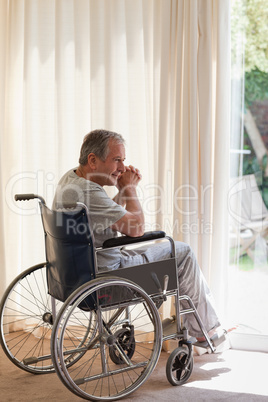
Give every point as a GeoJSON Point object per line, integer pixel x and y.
{"type": "Point", "coordinates": [3, 55]}
{"type": "Point", "coordinates": [156, 71]}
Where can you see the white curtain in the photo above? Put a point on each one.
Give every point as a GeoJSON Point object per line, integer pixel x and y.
{"type": "Point", "coordinates": [156, 71]}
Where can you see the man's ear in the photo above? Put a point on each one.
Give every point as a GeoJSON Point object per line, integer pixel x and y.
{"type": "Point", "coordinates": [91, 160]}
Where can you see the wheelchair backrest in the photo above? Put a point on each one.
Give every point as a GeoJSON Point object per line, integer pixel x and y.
{"type": "Point", "coordinates": [69, 249]}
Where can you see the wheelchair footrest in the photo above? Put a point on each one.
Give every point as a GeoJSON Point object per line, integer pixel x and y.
{"type": "Point", "coordinates": [216, 340]}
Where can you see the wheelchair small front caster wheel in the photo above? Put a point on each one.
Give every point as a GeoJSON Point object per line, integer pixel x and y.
{"type": "Point", "coordinates": [179, 368]}
{"type": "Point", "coordinates": [126, 341]}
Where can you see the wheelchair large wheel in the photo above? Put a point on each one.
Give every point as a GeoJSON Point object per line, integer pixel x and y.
{"type": "Point", "coordinates": [26, 322]}
{"type": "Point", "coordinates": [127, 322]}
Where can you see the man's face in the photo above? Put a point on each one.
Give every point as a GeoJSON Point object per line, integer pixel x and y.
{"type": "Point", "coordinates": [113, 166]}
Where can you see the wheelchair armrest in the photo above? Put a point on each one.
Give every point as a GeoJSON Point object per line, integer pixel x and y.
{"type": "Point", "coordinates": [124, 240]}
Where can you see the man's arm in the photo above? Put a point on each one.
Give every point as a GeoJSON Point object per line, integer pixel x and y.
{"type": "Point", "coordinates": [132, 223]}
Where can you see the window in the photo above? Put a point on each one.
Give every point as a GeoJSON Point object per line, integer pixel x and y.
{"type": "Point", "coordinates": [248, 195]}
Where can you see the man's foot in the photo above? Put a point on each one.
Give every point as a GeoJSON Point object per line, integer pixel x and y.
{"type": "Point", "coordinates": [219, 339]}
{"type": "Point", "coordinates": [219, 331]}
{"type": "Point", "coordinates": [210, 334]}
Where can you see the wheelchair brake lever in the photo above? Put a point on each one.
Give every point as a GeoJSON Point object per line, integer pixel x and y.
{"type": "Point", "coordinates": [158, 285]}
{"type": "Point", "coordinates": [166, 279]}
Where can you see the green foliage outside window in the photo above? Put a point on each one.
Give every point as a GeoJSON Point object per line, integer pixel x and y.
{"type": "Point", "coordinates": [256, 85]}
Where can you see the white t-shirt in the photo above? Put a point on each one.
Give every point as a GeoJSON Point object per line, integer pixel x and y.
{"type": "Point", "coordinates": [104, 212]}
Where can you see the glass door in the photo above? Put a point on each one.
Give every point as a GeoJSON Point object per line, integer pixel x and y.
{"type": "Point", "coordinates": [248, 195]}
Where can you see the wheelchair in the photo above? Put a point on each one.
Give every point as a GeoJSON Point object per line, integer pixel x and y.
{"type": "Point", "coordinates": [100, 332]}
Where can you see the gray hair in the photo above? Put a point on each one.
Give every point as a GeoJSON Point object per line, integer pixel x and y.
{"type": "Point", "coordinates": [97, 142]}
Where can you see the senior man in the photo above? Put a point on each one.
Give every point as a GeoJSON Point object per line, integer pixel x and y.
{"type": "Point", "coordinates": [101, 163]}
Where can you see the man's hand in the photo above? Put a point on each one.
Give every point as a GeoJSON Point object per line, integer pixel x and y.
{"type": "Point", "coordinates": [132, 224]}
{"type": "Point", "coordinates": [129, 178]}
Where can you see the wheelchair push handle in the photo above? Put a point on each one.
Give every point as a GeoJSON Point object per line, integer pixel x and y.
{"type": "Point", "coordinates": [27, 197]}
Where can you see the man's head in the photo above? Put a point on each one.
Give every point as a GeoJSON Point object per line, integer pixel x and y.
{"type": "Point", "coordinates": [97, 142]}
{"type": "Point", "coordinates": [102, 156]}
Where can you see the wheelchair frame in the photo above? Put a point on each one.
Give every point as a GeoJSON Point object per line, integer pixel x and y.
{"type": "Point", "coordinates": [105, 337]}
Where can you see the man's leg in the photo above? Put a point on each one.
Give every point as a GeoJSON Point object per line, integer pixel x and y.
{"type": "Point", "coordinates": [191, 281]}
{"type": "Point", "coordinates": [193, 284]}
